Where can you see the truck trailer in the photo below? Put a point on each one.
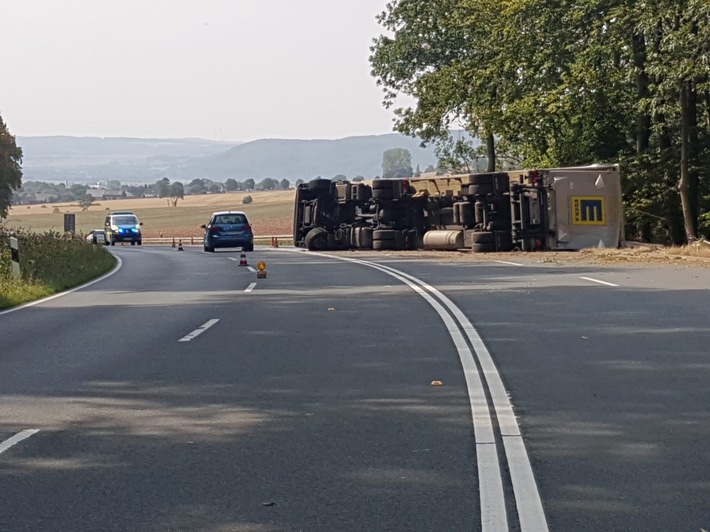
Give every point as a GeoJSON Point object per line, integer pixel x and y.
{"type": "Point", "coordinates": [527, 210]}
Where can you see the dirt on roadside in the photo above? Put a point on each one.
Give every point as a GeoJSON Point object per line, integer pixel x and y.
{"type": "Point", "coordinates": [695, 255]}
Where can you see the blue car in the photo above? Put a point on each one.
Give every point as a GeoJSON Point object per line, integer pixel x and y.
{"type": "Point", "coordinates": [228, 229]}
{"type": "Point", "coordinates": [123, 226]}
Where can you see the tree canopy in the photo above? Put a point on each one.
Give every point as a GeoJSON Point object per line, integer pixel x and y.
{"type": "Point", "coordinates": [547, 84]}
{"type": "Point", "coordinates": [10, 168]}
{"type": "Point", "coordinates": [397, 162]}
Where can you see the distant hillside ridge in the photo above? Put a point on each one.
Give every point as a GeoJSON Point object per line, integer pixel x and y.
{"type": "Point", "coordinates": [133, 160]}
{"type": "Point", "coordinates": [307, 159]}
{"type": "Point", "coordinates": [66, 158]}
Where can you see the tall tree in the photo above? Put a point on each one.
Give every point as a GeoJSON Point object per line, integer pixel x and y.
{"type": "Point", "coordinates": [177, 192]}
{"type": "Point", "coordinates": [230, 185]}
{"type": "Point", "coordinates": [10, 168]}
{"type": "Point", "coordinates": [397, 162]}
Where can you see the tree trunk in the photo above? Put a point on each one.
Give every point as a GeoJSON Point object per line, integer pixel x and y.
{"type": "Point", "coordinates": [685, 187]}
{"type": "Point", "coordinates": [491, 150]}
{"type": "Point", "coordinates": [643, 119]}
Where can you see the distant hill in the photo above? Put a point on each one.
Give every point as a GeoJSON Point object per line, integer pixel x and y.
{"type": "Point", "coordinates": [92, 158]}
{"type": "Point", "coordinates": [129, 160]}
{"type": "Point", "coordinates": [306, 159]}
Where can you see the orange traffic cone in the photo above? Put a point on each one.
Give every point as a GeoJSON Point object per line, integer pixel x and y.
{"type": "Point", "coordinates": [274, 242]}
{"type": "Point", "coordinates": [180, 245]}
{"type": "Point", "coordinates": [243, 259]}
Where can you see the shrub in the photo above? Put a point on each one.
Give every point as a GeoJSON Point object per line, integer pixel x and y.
{"type": "Point", "coordinates": [247, 199]}
{"type": "Point", "coordinates": [50, 262]}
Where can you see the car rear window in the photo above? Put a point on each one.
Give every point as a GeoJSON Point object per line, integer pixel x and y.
{"type": "Point", "coordinates": [228, 219]}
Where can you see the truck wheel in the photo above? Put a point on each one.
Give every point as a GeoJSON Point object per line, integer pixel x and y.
{"type": "Point", "coordinates": [382, 245]}
{"type": "Point", "coordinates": [484, 237]}
{"type": "Point", "coordinates": [382, 193]}
{"type": "Point", "coordinates": [504, 240]}
{"type": "Point", "coordinates": [384, 234]}
{"type": "Point", "coordinates": [316, 185]}
{"type": "Point", "coordinates": [479, 189]}
{"type": "Point", "coordinates": [317, 239]}
{"type": "Point", "coordinates": [483, 248]}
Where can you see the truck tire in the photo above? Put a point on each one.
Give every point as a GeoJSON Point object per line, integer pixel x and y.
{"type": "Point", "coordinates": [479, 189]}
{"type": "Point", "coordinates": [365, 240]}
{"type": "Point", "coordinates": [483, 248]}
{"type": "Point", "coordinates": [410, 239]}
{"type": "Point", "coordinates": [480, 185]}
{"type": "Point", "coordinates": [382, 245]}
{"type": "Point", "coordinates": [484, 237]}
{"type": "Point", "coordinates": [383, 189]}
{"type": "Point", "coordinates": [382, 194]}
{"type": "Point", "coordinates": [504, 240]}
{"type": "Point", "coordinates": [316, 239]}
{"type": "Point", "coordinates": [317, 185]}
{"type": "Point", "coordinates": [384, 234]}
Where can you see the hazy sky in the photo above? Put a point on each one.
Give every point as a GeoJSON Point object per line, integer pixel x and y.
{"type": "Point", "coordinates": [219, 69]}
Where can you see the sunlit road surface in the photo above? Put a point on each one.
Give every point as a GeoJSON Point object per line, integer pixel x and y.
{"type": "Point", "coordinates": [358, 392]}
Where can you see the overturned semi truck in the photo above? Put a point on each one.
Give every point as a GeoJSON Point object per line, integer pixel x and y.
{"type": "Point", "coordinates": [545, 209]}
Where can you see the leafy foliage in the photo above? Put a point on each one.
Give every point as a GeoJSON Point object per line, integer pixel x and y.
{"type": "Point", "coordinates": [10, 168]}
{"type": "Point", "coordinates": [563, 83]}
{"type": "Point", "coordinates": [397, 162]}
{"type": "Point", "coordinates": [49, 262]}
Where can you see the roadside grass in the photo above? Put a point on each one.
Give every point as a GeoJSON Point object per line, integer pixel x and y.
{"type": "Point", "coordinates": [49, 263]}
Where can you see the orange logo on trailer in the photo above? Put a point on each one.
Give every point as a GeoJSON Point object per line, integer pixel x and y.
{"type": "Point", "coordinates": [588, 210]}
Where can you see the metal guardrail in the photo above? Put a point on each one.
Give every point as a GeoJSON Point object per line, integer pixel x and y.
{"type": "Point", "coordinates": [197, 240]}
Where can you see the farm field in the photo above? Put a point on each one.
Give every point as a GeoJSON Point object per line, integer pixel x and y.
{"type": "Point", "coordinates": [270, 213]}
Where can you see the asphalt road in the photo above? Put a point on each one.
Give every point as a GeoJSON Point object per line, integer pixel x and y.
{"type": "Point", "coordinates": [181, 393]}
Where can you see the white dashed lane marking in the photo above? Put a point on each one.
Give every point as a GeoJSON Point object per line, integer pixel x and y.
{"type": "Point", "coordinates": [197, 332]}
{"type": "Point", "coordinates": [590, 279]}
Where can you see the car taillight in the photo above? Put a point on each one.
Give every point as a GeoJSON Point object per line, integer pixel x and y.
{"type": "Point", "coordinates": [214, 229]}
{"type": "Point", "coordinates": [246, 227]}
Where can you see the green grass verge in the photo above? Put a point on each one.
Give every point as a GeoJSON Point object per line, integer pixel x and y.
{"type": "Point", "coordinates": [49, 262]}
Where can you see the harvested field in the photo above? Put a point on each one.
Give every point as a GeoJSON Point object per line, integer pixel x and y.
{"type": "Point", "coordinates": [270, 213]}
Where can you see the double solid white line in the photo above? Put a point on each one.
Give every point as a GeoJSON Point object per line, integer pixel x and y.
{"type": "Point", "coordinates": [531, 515]}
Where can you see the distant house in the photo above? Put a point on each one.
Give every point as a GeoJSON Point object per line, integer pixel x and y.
{"type": "Point", "coordinates": [103, 194]}
{"type": "Point", "coordinates": [96, 193]}
{"type": "Point", "coordinates": [113, 194]}
{"type": "Point", "coordinates": [46, 198]}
